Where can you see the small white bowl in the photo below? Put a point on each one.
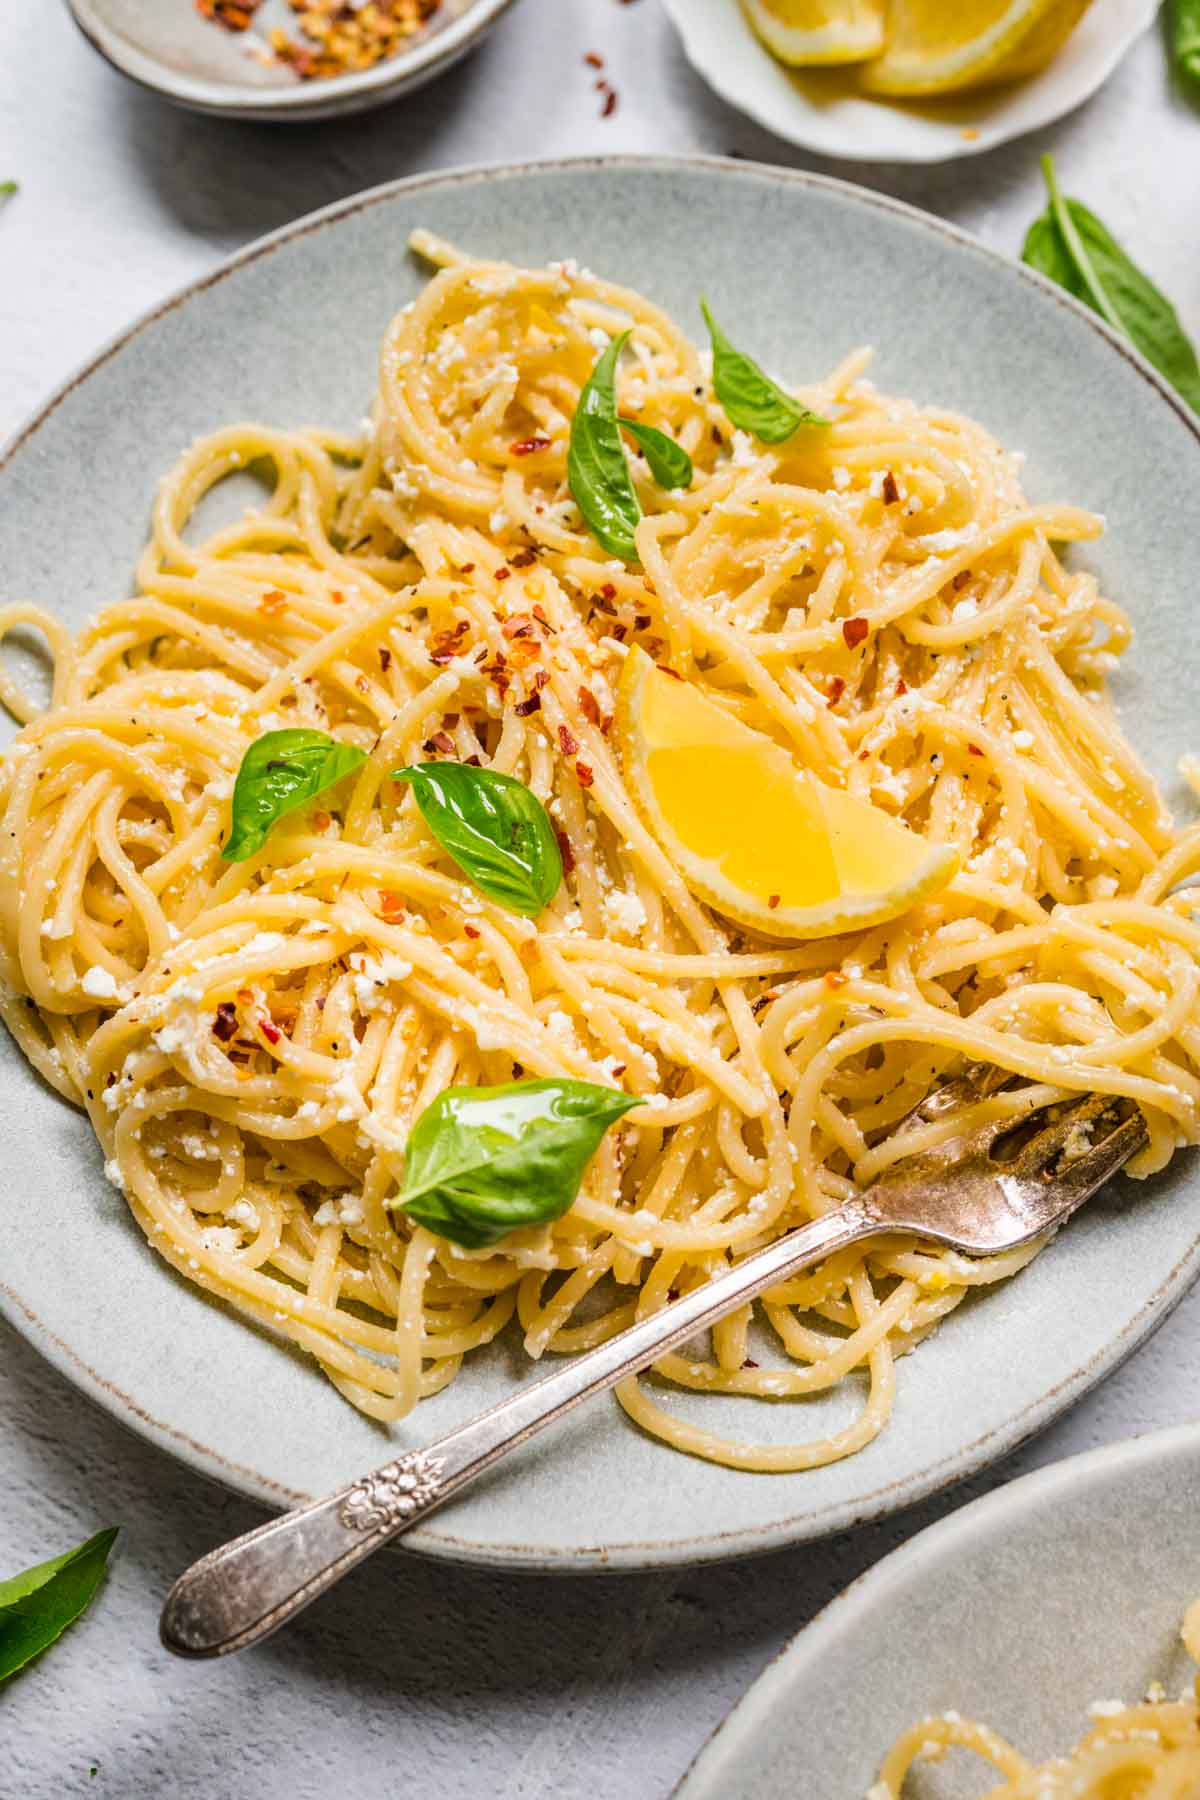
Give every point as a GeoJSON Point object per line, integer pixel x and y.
{"type": "Point", "coordinates": [165, 45]}
{"type": "Point", "coordinates": [821, 110]}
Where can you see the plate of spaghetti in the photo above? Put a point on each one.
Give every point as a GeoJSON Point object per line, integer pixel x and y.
{"type": "Point", "coordinates": [545, 752]}
{"type": "Point", "coordinates": [1051, 1638]}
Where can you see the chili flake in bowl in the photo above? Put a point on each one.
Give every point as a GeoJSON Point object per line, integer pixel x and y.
{"type": "Point", "coordinates": [284, 59]}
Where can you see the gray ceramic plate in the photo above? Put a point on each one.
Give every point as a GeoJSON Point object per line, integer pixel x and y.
{"type": "Point", "coordinates": [167, 46]}
{"type": "Point", "coordinates": [1065, 1587]}
{"type": "Point", "coordinates": [802, 269]}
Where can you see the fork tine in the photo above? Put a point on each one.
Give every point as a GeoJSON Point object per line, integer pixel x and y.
{"type": "Point", "coordinates": [1040, 1153]}
{"type": "Point", "coordinates": [1077, 1181]}
{"type": "Point", "coordinates": [976, 1082]}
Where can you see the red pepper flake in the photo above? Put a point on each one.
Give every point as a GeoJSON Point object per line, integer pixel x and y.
{"type": "Point", "coordinates": [320, 821]}
{"type": "Point", "coordinates": [473, 762]}
{"type": "Point", "coordinates": [565, 850]}
{"type": "Point", "coordinates": [772, 901]}
{"type": "Point", "coordinates": [606, 723]}
{"type": "Point", "coordinates": [391, 905]}
{"type": "Point", "coordinates": [584, 774]}
{"type": "Point", "coordinates": [974, 750]}
{"type": "Point", "coordinates": [854, 631]}
{"type": "Point", "coordinates": [523, 708]}
{"type": "Point", "coordinates": [834, 978]}
{"type": "Point", "coordinates": [608, 591]}
{"type": "Point", "coordinates": [837, 688]}
{"type": "Point", "coordinates": [620, 632]}
{"type": "Point", "coordinates": [568, 744]}
{"type": "Point", "coordinates": [234, 15]}
{"type": "Point", "coordinates": [441, 740]}
{"type": "Point", "coordinates": [902, 686]}
{"type": "Point", "coordinates": [225, 1024]}
{"type": "Point", "coordinates": [961, 579]}
{"type": "Point", "coordinates": [640, 621]}
{"type": "Point", "coordinates": [863, 755]}
{"type": "Point", "coordinates": [610, 104]}
{"type": "Point", "coordinates": [471, 931]}
{"type": "Point", "coordinates": [271, 1032]}
{"type": "Point", "coordinates": [589, 706]}
{"type": "Point", "coordinates": [517, 625]}
{"type": "Point", "coordinates": [337, 596]}
{"type": "Point", "coordinates": [715, 435]}
{"type": "Point", "coordinates": [529, 446]}
{"type": "Point", "coordinates": [362, 684]}
{"type": "Point", "coordinates": [541, 679]}
{"type": "Point", "coordinates": [593, 59]}
{"type": "Point", "coordinates": [273, 602]}
{"type": "Point", "coordinates": [749, 1363]}
{"type": "Point", "coordinates": [891, 493]}
{"type": "Point", "coordinates": [673, 673]}
{"type": "Point", "coordinates": [523, 560]}
{"type": "Point", "coordinates": [466, 568]}
{"type": "Point", "coordinates": [503, 573]}
{"type": "Point", "coordinates": [385, 659]}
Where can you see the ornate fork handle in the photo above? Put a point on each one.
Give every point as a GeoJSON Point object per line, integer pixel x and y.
{"type": "Point", "coordinates": [248, 1588]}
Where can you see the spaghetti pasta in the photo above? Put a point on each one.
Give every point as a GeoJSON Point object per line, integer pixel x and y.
{"type": "Point", "coordinates": [252, 1041]}
{"type": "Point", "coordinates": [1148, 1751]}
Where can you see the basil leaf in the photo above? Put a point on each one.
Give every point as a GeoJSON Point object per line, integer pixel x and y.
{"type": "Point", "coordinates": [498, 833]}
{"type": "Point", "coordinates": [752, 401]}
{"type": "Point", "coordinates": [669, 462]}
{"type": "Point", "coordinates": [279, 772]}
{"type": "Point", "coordinates": [8, 187]}
{"type": "Point", "coordinates": [37, 1606]}
{"type": "Point", "coordinates": [1185, 38]}
{"type": "Point", "coordinates": [597, 472]}
{"type": "Point", "coordinates": [482, 1162]}
{"type": "Point", "coordinates": [1070, 246]}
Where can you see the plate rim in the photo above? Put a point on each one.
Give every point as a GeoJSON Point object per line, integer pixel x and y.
{"type": "Point", "coordinates": [339, 94]}
{"type": "Point", "coordinates": [1038, 1489]}
{"type": "Point", "coordinates": [912, 156]}
{"type": "Point", "coordinates": [743, 1541]}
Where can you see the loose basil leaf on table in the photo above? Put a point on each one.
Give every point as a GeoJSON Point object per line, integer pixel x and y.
{"type": "Point", "coordinates": [482, 1162]}
{"type": "Point", "coordinates": [669, 462]}
{"type": "Point", "coordinates": [1070, 246]}
{"type": "Point", "coordinates": [37, 1606]}
{"type": "Point", "coordinates": [279, 772]}
{"type": "Point", "coordinates": [752, 401]}
{"type": "Point", "coordinates": [597, 472]}
{"type": "Point", "coordinates": [497, 831]}
{"type": "Point", "coordinates": [1185, 38]}
{"type": "Point", "coordinates": [9, 187]}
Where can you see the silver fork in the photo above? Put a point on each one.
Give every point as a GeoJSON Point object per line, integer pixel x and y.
{"type": "Point", "coordinates": [965, 1192]}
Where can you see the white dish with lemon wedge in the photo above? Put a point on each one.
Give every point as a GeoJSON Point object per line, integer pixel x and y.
{"type": "Point", "coordinates": [830, 813]}
{"type": "Point", "coordinates": [928, 107]}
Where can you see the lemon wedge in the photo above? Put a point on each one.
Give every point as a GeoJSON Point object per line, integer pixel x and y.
{"type": "Point", "coordinates": [761, 840]}
{"type": "Point", "coordinates": [819, 31]}
{"type": "Point", "coordinates": [936, 48]}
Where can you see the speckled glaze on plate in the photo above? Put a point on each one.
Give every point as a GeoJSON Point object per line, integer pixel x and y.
{"type": "Point", "coordinates": [822, 109]}
{"type": "Point", "coordinates": [801, 269]}
{"type": "Point", "coordinates": [165, 45]}
{"type": "Point", "coordinates": [1065, 1587]}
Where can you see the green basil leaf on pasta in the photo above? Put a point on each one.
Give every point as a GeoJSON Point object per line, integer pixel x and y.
{"type": "Point", "coordinates": [668, 462]}
{"type": "Point", "coordinates": [281, 771]}
{"type": "Point", "coordinates": [1070, 246]}
{"type": "Point", "coordinates": [597, 472]}
{"type": "Point", "coordinates": [482, 1162]}
{"type": "Point", "coordinates": [1185, 38]}
{"type": "Point", "coordinates": [37, 1606]}
{"type": "Point", "coordinates": [497, 831]}
{"type": "Point", "coordinates": [752, 401]}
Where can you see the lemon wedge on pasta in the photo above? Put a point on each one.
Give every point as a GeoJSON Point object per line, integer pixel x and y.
{"type": "Point", "coordinates": [935, 48]}
{"type": "Point", "coordinates": [763, 841]}
{"type": "Point", "coordinates": [819, 31]}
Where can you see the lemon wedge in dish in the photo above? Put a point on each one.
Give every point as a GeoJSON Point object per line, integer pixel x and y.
{"type": "Point", "coordinates": [819, 31]}
{"type": "Point", "coordinates": [760, 839]}
{"type": "Point", "coordinates": [936, 48]}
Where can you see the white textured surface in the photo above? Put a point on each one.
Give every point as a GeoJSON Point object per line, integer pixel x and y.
{"type": "Point", "coordinates": [414, 1679]}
